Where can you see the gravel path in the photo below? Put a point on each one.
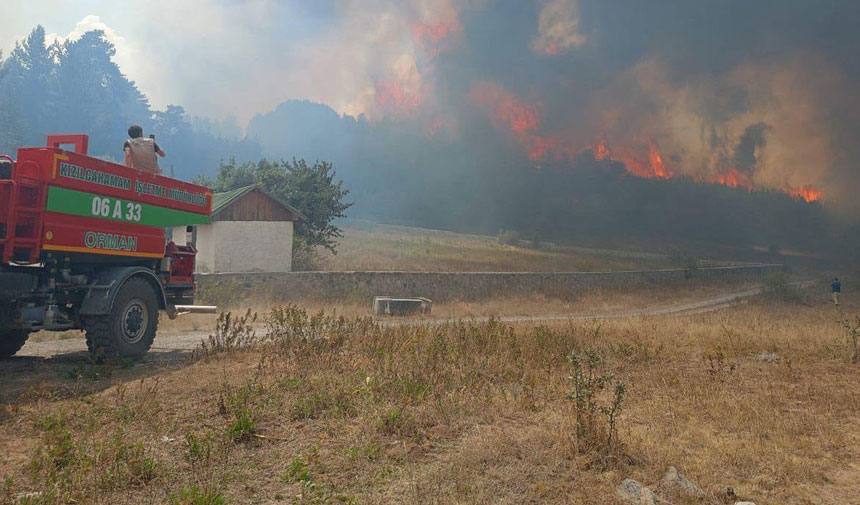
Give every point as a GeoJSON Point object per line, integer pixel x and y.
{"type": "Point", "coordinates": [170, 345]}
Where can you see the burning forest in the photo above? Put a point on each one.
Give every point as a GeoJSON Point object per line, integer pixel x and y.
{"type": "Point", "coordinates": [466, 113]}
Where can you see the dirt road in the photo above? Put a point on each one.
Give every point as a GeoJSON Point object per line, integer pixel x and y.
{"type": "Point", "coordinates": [171, 345]}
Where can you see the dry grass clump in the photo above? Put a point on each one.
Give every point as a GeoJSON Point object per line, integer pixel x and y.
{"type": "Point", "coordinates": [327, 409]}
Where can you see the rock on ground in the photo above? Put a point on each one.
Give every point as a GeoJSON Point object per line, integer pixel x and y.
{"type": "Point", "coordinates": [674, 479]}
{"type": "Point", "coordinates": [769, 357]}
{"type": "Point", "coordinates": [634, 492]}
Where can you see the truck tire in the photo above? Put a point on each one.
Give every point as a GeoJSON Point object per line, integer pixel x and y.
{"type": "Point", "coordinates": [11, 341]}
{"type": "Point", "coordinates": [128, 331]}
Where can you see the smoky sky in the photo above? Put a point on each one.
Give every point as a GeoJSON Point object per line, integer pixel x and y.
{"type": "Point", "coordinates": [766, 88]}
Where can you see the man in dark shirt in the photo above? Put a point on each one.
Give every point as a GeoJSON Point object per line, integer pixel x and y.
{"type": "Point", "coordinates": [140, 153]}
{"type": "Point", "coordinates": [836, 289]}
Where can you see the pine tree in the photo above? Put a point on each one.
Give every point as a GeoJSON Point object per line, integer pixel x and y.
{"type": "Point", "coordinates": [95, 96]}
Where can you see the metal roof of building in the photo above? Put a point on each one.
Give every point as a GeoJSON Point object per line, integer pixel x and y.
{"type": "Point", "coordinates": [220, 201]}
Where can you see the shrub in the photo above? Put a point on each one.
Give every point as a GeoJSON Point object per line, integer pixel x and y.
{"type": "Point", "coordinates": [198, 451]}
{"type": "Point", "coordinates": [141, 468]}
{"type": "Point", "coordinates": [243, 427]}
{"type": "Point", "coordinates": [291, 330]}
{"type": "Point", "coordinates": [205, 454]}
{"type": "Point", "coordinates": [509, 237]}
{"type": "Point", "coordinates": [587, 384]}
{"type": "Point", "coordinates": [239, 406]}
{"type": "Point", "coordinates": [780, 288]}
{"type": "Point", "coordinates": [718, 365]}
{"type": "Point", "coordinates": [306, 258]}
{"type": "Point", "coordinates": [290, 325]}
{"type": "Point", "coordinates": [852, 333]}
{"type": "Point", "coordinates": [395, 422]}
{"type": "Point", "coordinates": [231, 333]}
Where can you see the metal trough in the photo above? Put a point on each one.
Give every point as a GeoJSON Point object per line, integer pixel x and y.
{"type": "Point", "coordinates": [390, 306]}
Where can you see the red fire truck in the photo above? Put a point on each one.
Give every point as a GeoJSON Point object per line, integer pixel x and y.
{"type": "Point", "coordinates": [82, 246]}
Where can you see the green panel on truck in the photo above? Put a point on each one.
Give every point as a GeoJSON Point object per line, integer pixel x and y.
{"type": "Point", "coordinates": [79, 203]}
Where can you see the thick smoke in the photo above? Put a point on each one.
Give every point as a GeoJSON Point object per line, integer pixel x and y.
{"type": "Point", "coordinates": [486, 111]}
{"type": "Point", "coordinates": [755, 95]}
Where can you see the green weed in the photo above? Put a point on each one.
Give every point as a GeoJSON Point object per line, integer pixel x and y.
{"type": "Point", "coordinates": [243, 427]}
{"type": "Point", "coordinates": [298, 471]}
{"type": "Point", "coordinates": [194, 495]}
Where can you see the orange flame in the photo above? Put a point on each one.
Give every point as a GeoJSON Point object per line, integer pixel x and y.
{"type": "Point", "coordinates": [654, 168]}
{"type": "Point", "coordinates": [507, 112]}
{"type": "Point", "coordinates": [435, 36]}
{"type": "Point", "coordinates": [600, 151]}
{"type": "Point", "coordinates": [392, 95]}
{"type": "Point", "coordinates": [434, 33]}
{"type": "Point", "coordinates": [809, 193]}
{"type": "Point", "coordinates": [733, 178]}
{"type": "Point", "coordinates": [658, 170]}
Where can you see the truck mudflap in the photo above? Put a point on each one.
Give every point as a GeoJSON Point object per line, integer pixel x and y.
{"type": "Point", "coordinates": [100, 296]}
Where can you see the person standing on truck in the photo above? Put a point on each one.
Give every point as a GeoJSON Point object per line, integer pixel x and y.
{"type": "Point", "coordinates": [836, 289]}
{"type": "Point", "coordinates": [140, 152]}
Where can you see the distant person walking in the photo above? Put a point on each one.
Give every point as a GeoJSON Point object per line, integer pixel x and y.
{"type": "Point", "coordinates": [140, 152]}
{"type": "Point", "coordinates": [835, 289]}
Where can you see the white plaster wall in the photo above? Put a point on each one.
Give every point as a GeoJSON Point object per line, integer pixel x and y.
{"type": "Point", "coordinates": [246, 246]}
{"type": "Point", "coordinates": [205, 248]}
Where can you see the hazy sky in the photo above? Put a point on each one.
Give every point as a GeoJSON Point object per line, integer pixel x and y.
{"type": "Point", "coordinates": [215, 57]}
{"type": "Point", "coordinates": [761, 93]}
{"type": "Point", "coordinates": [232, 57]}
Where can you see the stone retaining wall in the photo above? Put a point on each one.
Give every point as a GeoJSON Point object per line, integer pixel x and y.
{"type": "Point", "coordinates": [443, 286]}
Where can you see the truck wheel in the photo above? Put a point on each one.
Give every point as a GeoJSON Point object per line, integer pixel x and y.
{"type": "Point", "coordinates": [128, 331]}
{"type": "Point", "coordinates": [11, 341]}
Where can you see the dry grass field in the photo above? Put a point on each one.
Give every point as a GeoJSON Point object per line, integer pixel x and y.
{"type": "Point", "coordinates": [317, 409]}
{"type": "Point", "coordinates": [368, 246]}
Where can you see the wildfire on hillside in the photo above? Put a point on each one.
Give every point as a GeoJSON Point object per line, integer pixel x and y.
{"type": "Point", "coordinates": [733, 178]}
{"type": "Point", "coordinates": [654, 168]}
{"type": "Point", "coordinates": [522, 121]}
{"type": "Point", "coordinates": [650, 168]}
{"type": "Point", "coordinates": [403, 92]}
{"type": "Point", "coordinates": [392, 94]}
{"type": "Point", "coordinates": [600, 151]}
{"type": "Point", "coordinates": [658, 170]}
{"type": "Point", "coordinates": [808, 193]}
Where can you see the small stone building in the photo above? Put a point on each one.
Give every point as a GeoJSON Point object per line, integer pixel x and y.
{"type": "Point", "coordinates": [250, 230]}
